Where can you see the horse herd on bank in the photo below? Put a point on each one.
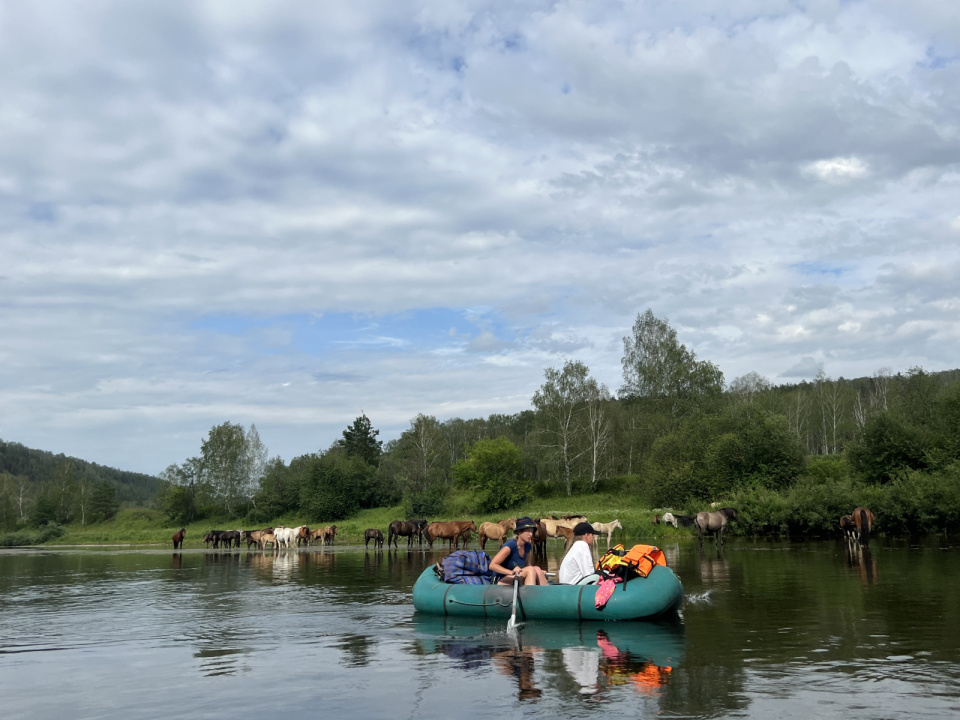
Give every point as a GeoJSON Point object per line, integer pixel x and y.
{"type": "Point", "coordinates": [856, 528]}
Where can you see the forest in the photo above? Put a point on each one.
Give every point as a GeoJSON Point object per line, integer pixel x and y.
{"type": "Point", "coordinates": [792, 458]}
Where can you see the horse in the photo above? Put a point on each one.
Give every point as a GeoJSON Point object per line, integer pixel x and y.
{"type": "Point", "coordinates": [863, 519]}
{"type": "Point", "coordinates": [496, 531]}
{"type": "Point", "coordinates": [316, 535]}
{"type": "Point", "coordinates": [230, 537]}
{"type": "Point", "coordinates": [328, 534]}
{"type": "Point", "coordinates": [678, 520]}
{"type": "Point", "coordinates": [714, 522]}
{"type": "Point", "coordinates": [408, 529]}
{"type": "Point", "coordinates": [286, 536]}
{"type": "Point", "coordinates": [268, 537]}
{"type": "Point", "coordinates": [452, 531]}
{"type": "Point", "coordinates": [608, 528]}
{"type": "Point", "coordinates": [178, 538]}
{"type": "Point", "coordinates": [303, 534]}
{"type": "Point", "coordinates": [848, 527]}
{"type": "Point", "coordinates": [253, 536]}
{"type": "Point", "coordinates": [540, 539]}
{"type": "Point", "coordinates": [213, 537]}
{"type": "Point", "coordinates": [375, 535]}
{"type": "Point", "coordinates": [552, 524]}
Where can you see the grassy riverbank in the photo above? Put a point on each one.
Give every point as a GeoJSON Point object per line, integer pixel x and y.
{"type": "Point", "coordinates": [140, 526]}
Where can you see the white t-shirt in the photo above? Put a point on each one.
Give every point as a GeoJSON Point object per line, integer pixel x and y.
{"type": "Point", "coordinates": [577, 564]}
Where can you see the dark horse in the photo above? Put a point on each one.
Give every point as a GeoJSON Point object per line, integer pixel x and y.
{"type": "Point", "coordinates": [375, 535]}
{"type": "Point", "coordinates": [863, 519]}
{"type": "Point", "coordinates": [178, 538]}
{"type": "Point", "coordinates": [406, 528]}
{"type": "Point", "coordinates": [714, 522]}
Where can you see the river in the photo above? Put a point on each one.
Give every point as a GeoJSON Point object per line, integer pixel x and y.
{"type": "Point", "coordinates": [767, 630]}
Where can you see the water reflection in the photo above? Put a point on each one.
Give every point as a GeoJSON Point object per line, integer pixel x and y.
{"type": "Point", "coordinates": [861, 560]}
{"type": "Point", "coordinates": [593, 656]}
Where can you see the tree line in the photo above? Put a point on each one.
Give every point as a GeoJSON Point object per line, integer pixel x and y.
{"type": "Point", "coordinates": [38, 487]}
{"type": "Point", "coordinates": [675, 434]}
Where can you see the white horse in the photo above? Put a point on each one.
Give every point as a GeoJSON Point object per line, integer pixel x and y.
{"type": "Point", "coordinates": [668, 518]}
{"type": "Point", "coordinates": [286, 536]}
{"type": "Point", "coordinates": [608, 528]}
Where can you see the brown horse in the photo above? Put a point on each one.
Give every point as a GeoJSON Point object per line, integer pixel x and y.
{"type": "Point", "coordinates": [178, 538]}
{"type": "Point", "coordinates": [254, 536]}
{"type": "Point", "coordinates": [375, 535]}
{"type": "Point", "coordinates": [453, 531]}
{"type": "Point", "coordinates": [848, 527]}
{"type": "Point", "coordinates": [540, 539]}
{"type": "Point", "coordinates": [303, 535]}
{"type": "Point", "coordinates": [714, 523]}
{"type": "Point", "coordinates": [863, 519]}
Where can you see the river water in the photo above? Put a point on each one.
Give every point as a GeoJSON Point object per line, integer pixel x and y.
{"type": "Point", "coordinates": [766, 630]}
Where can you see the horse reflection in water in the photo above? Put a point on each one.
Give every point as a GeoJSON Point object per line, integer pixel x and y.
{"type": "Point", "coordinates": [860, 558]}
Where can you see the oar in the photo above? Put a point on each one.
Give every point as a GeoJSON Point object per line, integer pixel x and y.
{"type": "Point", "coordinates": [512, 623]}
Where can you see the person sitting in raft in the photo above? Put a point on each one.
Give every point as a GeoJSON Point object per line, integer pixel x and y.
{"type": "Point", "coordinates": [577, 567]}
{"type": "Point", "coordinates": [511, 560]}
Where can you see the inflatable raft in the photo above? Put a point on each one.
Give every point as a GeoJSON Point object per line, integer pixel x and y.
{"type": "Point", "coordinates": [660, 593]}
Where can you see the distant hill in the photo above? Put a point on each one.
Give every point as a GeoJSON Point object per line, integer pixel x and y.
{"type": "Point", "coordinates": [39, 466]}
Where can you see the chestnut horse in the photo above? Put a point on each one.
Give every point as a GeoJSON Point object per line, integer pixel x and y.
{"type": "Point", "coordinates": [452, 531]}
{"type": "Point", "coordinates": [863, 519]}
{"type": "Point", "coordinates": [178, 538]}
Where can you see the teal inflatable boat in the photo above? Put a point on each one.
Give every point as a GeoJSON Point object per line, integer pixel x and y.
{"type": "Point", "coordinates": [660, 593]}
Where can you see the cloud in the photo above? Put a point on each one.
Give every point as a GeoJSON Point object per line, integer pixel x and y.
{"type": "Point", "coordinates": [278, 214]}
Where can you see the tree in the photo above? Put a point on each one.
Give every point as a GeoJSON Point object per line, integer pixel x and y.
{"type": "Point", "coordinates": [257, 456]}
{"type": "Point", "coordinates": [494, 469]}
{"type": "Point", "coordinates": [598, 429]}
{"type": "Point", "coordinates": [561, 401]}
{"type": "Point", "coordinates": [747, 387]}
{"type": "Point", "coordinates": [335, 486]}
{"type": "Point", "coordinates": [225, 466]}
{"type": "Point", "coordinates": [103, 502]}
{"type": "Point", "coordinates": [360, 441]}
{"type": "Point", "coordinates": [657, 366]}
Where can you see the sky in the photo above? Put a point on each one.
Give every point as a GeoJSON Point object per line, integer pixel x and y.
{"type": "Point", "coordinates": [290, 213]}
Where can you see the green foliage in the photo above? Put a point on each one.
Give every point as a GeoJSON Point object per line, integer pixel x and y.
{"type": "Point", "coordinates": [710, 457]}
{"type": "Point", "coordinates": [427, 502]}
{"type": "Point", "coordinates": [889, 449]}
{"type": "Point", "coordinates": [49, 531]}
{"type": "Point", "coordinates": [43, 512]}
{"type": "Point", "coordinates": [40, 466]}
{"type": "Point", "coordinates": [656, 365]}
{"type": "Point", "coordinates": [178, 504]}
{"type": "Point", "coordinates": [337, 487]}
{"type": "Point", "coordinates": [103, 502]}
{"type": "Point", "coordinates": [494, 469]}
{"type": "Point", "coordinates": [360, 440]}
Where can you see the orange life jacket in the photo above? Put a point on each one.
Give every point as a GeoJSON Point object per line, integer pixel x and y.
{"type": "Point", "coordinates": [639, 559]}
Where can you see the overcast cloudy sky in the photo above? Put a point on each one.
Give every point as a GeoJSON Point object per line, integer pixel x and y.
{"type": "Point", "coordinates": [282, 213]}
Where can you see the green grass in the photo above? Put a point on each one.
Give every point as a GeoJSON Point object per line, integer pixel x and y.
{"type": "Point", "coordinates": [143, 526]}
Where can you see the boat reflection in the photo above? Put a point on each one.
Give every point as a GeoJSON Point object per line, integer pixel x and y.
{"type": "Point", "coordinates": [591, 656]}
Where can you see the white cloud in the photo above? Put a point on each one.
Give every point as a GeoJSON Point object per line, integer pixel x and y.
{"type": "Point", "coordinates": [521, 180]}
{"type": "Point", "coordinates": [838, 170]}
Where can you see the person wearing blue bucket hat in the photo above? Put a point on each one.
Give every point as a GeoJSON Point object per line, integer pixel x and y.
{"type": "Point", "coordinates": [512, 561]}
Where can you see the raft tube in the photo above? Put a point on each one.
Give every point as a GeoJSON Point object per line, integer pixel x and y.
{"type": "Point", "coordinates": [660, 593]}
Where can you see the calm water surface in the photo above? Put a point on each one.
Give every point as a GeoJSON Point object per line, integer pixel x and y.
{"type": "Point", "coordinates": [767, 630]}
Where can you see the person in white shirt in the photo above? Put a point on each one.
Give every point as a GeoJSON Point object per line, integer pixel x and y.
{"type": "Point", "coordinates": [577, 566]}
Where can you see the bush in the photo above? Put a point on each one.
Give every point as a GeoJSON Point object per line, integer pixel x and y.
{"type": "Point", "coordinates": [494, 469]}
